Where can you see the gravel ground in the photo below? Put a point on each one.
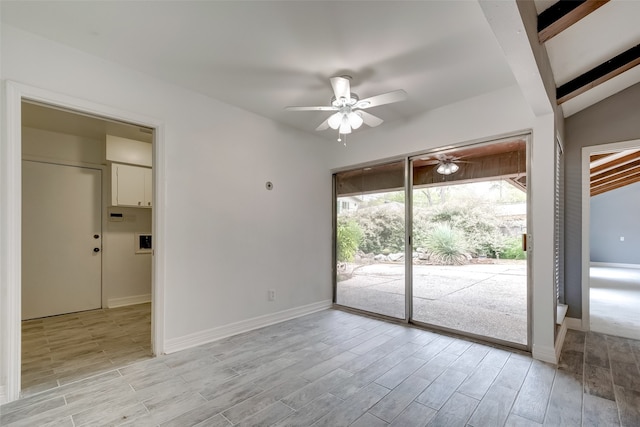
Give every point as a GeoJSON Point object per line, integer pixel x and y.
{"type": "Point", "coordinates": [482, 299]}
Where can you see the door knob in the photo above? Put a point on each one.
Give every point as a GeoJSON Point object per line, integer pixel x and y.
{"type": "Point", "coordinates": [96, 236]}
{"type": "Point", "coordinates": [96, 249]}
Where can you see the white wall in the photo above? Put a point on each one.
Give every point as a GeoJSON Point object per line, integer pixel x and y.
{"type": "Point", "coordinates": [126, 274]}
{"type": "Point", "coordinates": [228, 240]}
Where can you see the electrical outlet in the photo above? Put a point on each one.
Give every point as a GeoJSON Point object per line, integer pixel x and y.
{"type": "Point", "coordinates": [272, 294]}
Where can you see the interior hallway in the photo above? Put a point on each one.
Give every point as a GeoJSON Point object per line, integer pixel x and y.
{"type": "Point", "coordinates": [62, 349]}
{"type": "Point", "coordinates": [614, 300]}
{"type": "Point", "coordinates": [334, 368]}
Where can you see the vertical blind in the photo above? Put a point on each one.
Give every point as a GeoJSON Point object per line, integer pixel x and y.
{"type": "Point", "coordinates": [558, 260]}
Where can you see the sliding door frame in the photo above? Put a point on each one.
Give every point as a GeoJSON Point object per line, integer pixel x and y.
{"type": "Point", "coordinates": [408, 182]}
{"type": "Point", "coordinates": [408, 240]}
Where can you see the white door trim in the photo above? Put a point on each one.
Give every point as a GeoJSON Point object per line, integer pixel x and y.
{"type": "Point", "coordinates": [586, 218]}
{"type": "Point", "coordinates": [10, 219]}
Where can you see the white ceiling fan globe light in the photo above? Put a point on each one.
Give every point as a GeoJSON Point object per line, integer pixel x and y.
{"type": "Point", "coordinates": [345, 127]}
{"type": "Point", "coordinates": [335, 120]}
{"type": "Point", "coordinates": [447, 168]}
{"type": "Point", "coordinates": [355, 120]}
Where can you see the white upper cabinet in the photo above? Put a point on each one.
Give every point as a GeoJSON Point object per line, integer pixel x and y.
{"type": "Point", "coordinates": [131, 186]}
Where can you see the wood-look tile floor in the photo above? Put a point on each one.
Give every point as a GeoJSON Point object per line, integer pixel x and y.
{"type": "Point", "coordinates": [62, 349]}
{"type": "Point", "coordinates": [335, 368]}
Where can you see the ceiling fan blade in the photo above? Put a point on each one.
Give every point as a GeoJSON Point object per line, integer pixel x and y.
{"type": "Point", "coordinates": [324, 125]}
{"type": "Point", "coordinates": [385, 98]}
{"type": "Point", "coordinates": [369, 119]}
{"type": "Point", "coordinates": [341, 87]}
{"type": "Point", "coordinates": [318, 108]}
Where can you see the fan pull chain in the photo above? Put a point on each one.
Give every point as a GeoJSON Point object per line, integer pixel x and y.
{"type": "Point", "coordinates": [340, 136]}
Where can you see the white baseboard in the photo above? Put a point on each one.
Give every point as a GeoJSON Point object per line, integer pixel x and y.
{"type": "Point", "coordinates": [198, 338]}
{"type": "Point", "coordinates": [132, 300]}
{"type": "Point", "coordinates": [573, 323]}
{"type": "Point", "coordinates": [3, 395]}
{"type": "Point", "coordinates": [545, 354]}
{"type": "Point", "coordinates": [613, 264]}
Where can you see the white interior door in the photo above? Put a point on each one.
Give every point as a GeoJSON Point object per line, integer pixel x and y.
{"type": "Point", "coordinates": [61, 239]}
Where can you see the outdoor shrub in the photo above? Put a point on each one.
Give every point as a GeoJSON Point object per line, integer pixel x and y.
{"type": "Point", "coordinates": [421, 226]}
{"type": "Point", "coordinates": [513, 249]}
{"type": "Point", "coordinates": [446, 245]}
{"type": "Point", "coordinates": [478, 223]}
{"type": "Point", "coordinates": [348, 239]}
{"type": "Point", "coordinates": [382, 228]}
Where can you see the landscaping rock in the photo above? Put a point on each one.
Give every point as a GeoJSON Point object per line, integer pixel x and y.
{"type": "Point", "coordinates": [396, 257]}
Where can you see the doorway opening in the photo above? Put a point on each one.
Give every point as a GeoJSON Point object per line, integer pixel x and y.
{"type": "Point", "coordinates": [439, 240]}
{"type": "Point", "coordinates": [86, 286]}
{"type": "Point", "coordinates": [613, 263]}
{"type": "Point", "coordinates": [11, 314]}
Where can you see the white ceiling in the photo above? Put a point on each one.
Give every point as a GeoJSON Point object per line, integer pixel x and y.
{"type": "Point", "coordinates": [264, 55]}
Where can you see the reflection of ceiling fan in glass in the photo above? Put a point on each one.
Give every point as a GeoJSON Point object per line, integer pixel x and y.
{"type": "Point", "coordinates": [349, 108]}
{"type": "Point", "coordinates": [444, 164]}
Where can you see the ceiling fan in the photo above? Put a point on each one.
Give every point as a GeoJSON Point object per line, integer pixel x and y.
{"type": "Point", "coordinates": [446, 164]}
{"type": "Point", "coordinates": [349, 109]}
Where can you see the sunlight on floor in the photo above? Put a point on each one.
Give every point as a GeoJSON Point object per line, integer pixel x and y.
{"type": "Point", "coordinates": [614, 300]}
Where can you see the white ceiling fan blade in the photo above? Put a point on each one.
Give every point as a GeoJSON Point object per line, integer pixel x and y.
{"type": "Point", "coordinates": [385, 98]}
{"type": "Point", "coordinates": [324, 125]}
{"type": "Point", "coordinates": [369, 119]}
{"type": "Point", "coordinates": [318, 108]}
{"type": "Point", "coordinates": [341, 87]}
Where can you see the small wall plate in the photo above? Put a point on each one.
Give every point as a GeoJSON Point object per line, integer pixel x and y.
{"type": "Point", "coordinates": [143, 243]}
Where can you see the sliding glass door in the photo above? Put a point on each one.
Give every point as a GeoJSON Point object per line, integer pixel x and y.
{"type": "Point", "coordinates": [467, 215]}
{"type": "Point", "coordinates": [370, 239]}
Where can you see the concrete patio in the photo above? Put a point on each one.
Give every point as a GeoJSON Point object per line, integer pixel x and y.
{"type": "Point", "coordinates": [482, 299]}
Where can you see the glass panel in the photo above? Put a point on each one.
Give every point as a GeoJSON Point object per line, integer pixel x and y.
{"type": "Point", "coordinates": [370, 239]}
{"type": "Point", "coordinates": [469, 267]}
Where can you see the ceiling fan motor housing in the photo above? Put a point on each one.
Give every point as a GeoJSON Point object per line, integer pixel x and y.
{"type": "Point", "coordinates": [344, 102]}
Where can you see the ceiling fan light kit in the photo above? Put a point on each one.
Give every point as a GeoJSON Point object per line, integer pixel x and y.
{"type": "Point", "coordinates": [447, 168]}
{"type": "Point", "coordinates": [348, 107]}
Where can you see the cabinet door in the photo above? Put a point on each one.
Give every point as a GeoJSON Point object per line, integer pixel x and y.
{"type": "Point", "coordinates": [148, 187]}
{"type": "Point", "coordinates": [130, 185]}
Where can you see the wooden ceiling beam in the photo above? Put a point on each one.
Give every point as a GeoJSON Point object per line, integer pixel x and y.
{"type": "Point", "coordinates": [620, 178]}
{"type": "Point", "coordinates": [598, 75]}
{"type": "Point", "coordinates": [595, 157]}
{"type": "Point", "coordinates": [615, 180]}
{"type": "Point", "coordinates": [632, 179]}
{"type": "Point", "coordinates": [629, 167]}
{"type": "Point", "coordinates": [615, 163]}
{"type": "Point", "coordinates": [562, 15]}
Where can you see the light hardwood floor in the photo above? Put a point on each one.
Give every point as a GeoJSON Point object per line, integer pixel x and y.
{"type": "Point", "coordinates": [62, 349]}
{"type": "Point", "coordinates": [335, 368]}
